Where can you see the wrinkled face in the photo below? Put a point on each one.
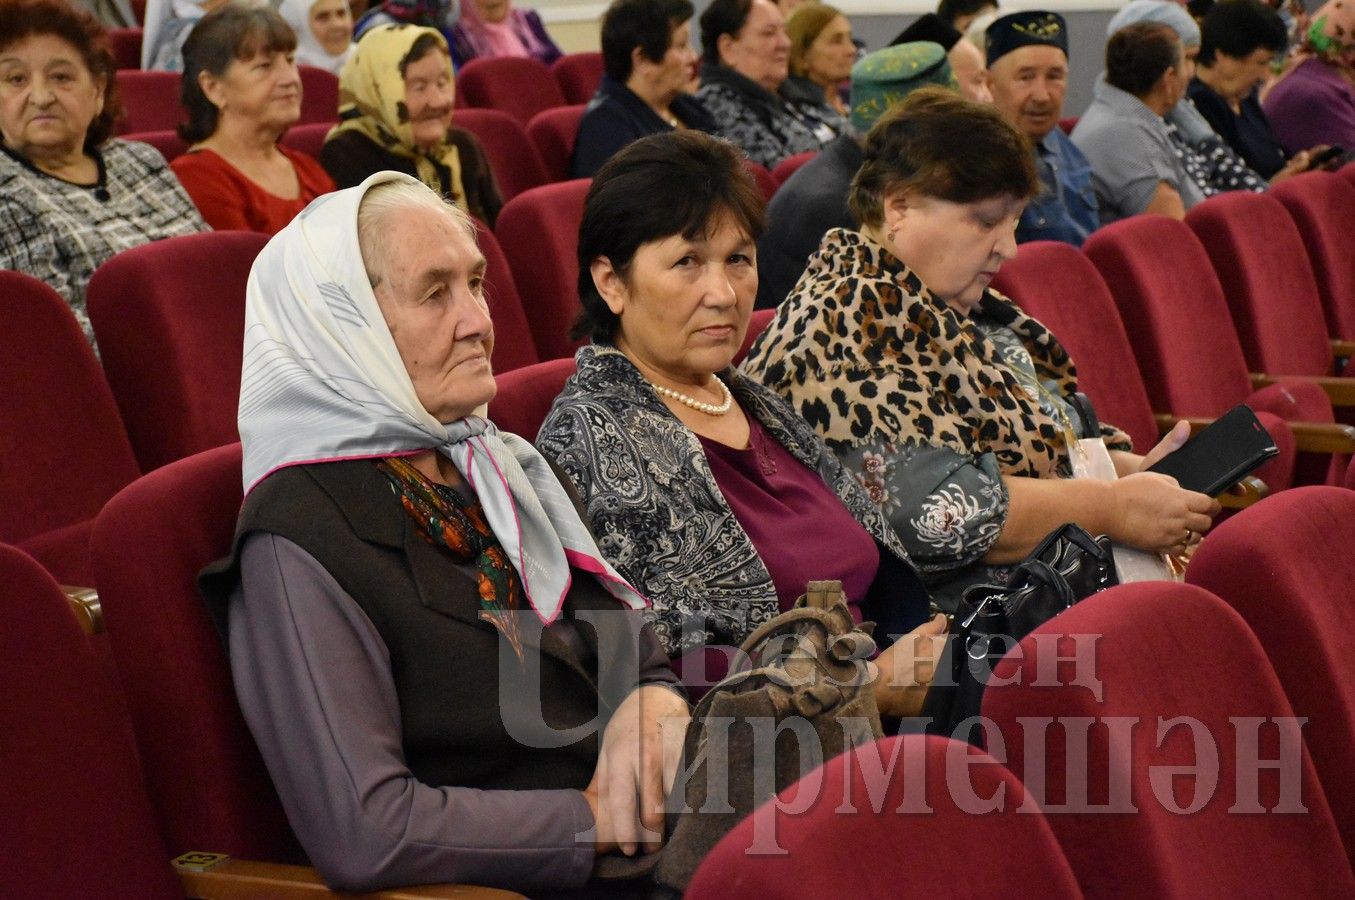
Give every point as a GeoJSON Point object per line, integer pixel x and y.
{"type": "Point", "coordinates": [955, 248]}
{"type": "Point", "coordinates": [1239, 76]}
{"type": "Point", "coordinates": [430, 289]}
{"type": "Point", "coordinates": [966, 61]}
{"type": "Point", "coordinates": [684, 304]}
{"type": "Point", "coordinates": [829, 59]}
{"type": "Point", "coordinates": [760, 51]}
{"type": "Point", "coordinates": [332, 24]}
{"type": "Point", "coordinates": [430, 94]}
{"type": "Point", "coordinates": [48, 97]}
{"type": "Point", "coordinates": [264, 89]}
{"type": "Point", "coordinates": [669, 76]}
{"type": "Point", "coordinates": [1028, 85]}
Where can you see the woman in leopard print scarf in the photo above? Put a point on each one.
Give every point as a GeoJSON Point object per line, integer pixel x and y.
{"type": "Point", "coordinates": [952, 408]}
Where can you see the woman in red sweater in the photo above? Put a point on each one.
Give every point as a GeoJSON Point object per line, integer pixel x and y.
{"type": "Point", "coordinates": [242, 93]}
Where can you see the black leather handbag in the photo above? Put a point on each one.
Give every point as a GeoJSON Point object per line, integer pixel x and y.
{"type": "Point", "coordinates": [1068, 565]}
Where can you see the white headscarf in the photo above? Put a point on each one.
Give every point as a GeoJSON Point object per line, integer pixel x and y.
{"type": "Point", "coordinates": [158, 12]}
{"type": "Point", "coordinates": [322, 381]}
{"type": "Point", "coordinates": [309, 51]}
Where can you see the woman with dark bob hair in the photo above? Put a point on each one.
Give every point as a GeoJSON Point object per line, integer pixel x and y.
{"type": "Point", "coordinates": [705, 490]}
{"type": "Point", "coordinates": [646, 49]}
{"type": "Point", "coordinates": [746, 84]}
{"type": "Point", "coordinates": [71, 197]}
{"type": "Point", "coordinates": [242, 92]}
{"type": "Point", "coordinates": [952, 408]}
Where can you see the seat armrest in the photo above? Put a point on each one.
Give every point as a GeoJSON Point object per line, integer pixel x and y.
{"type": "Point", "coordinates": [1323, 437]}
{"type": "Point", "coordinates": [1342, 349]}
{"type": "Point", "coordinates": [215, 876]}
{"type": "Point", "coordinates": [1166, 422]}
{"type": "Point", "coordinates": [1341, 391]}
{"type": "Point", "coordinates": [1243, 494]}
{"type": "Point", "coordinates": [84, 603]}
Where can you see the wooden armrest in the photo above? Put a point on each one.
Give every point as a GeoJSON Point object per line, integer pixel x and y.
{"type": "Point", "coordinates": [215, 876]}
{"type": "Point", "coordinates": [85, 604]}
{"type": "Point", "coordinates": [1341, 391]}
{"type": "Point", "coordinates": [1167, 421]}
{"type": "Point", "coordinates": [1323, 437]}
{"type": "Point", "coordinates": [1243, 494]}
{"type": "Point", "coordinates": [1342, 349]}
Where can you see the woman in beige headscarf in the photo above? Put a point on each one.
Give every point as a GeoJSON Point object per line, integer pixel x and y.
{"type": "Point", "coordinates": [395, 109]}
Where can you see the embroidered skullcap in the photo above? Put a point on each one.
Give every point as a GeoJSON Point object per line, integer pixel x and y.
{"type": "Point", "coordinates": [1024, 29]}
{"type": "Point", "coordinates": [883, 78]}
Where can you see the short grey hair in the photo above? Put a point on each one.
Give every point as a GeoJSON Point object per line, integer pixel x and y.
{"type": "Point", "coordinates": [391, 197]}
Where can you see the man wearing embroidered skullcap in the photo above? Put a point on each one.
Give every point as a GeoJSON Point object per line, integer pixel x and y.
{"type": "Point", "coordinates": [1028, 75]}
{"type": "Point", "coordinates": [966, 59]}
{"type": "Point", "coordinates": [814, 199]}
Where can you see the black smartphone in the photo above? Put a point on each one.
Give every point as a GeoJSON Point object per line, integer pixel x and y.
{"type": "Point", "coordinates": [1230, 447]}
{"type": "Point", "coordinates": [1318, 160]}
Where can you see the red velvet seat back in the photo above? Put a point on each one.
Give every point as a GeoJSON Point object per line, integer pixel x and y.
{"type": "Point", "coordinates": [553, 132]}
{"type": "Point", "coordinates": [1348, 173]}
{"type": "Point", "coordinates": [757, 323]}
{"type": "Point", "coordinates": [170, 318]}
{"type": "Point", "coordinates": [126, 46]}
{"type": "Point", "coordinates": [63, 446]}
{"type": "Point", "coordinates": [892, 819]}
{"type": "Point", "coordinates": [525, 396]}
{"type": "Point", "coordinates": [1180, 674]}
{"type": "Point", "coordinates": [170, 145]}
{"type": "Point", "coordinates": [578, 75]}
{"type": "Point", "coordinates": [539, 231]}
{"type": "Point", "coordinates": [790, 165]}
{"type": "Point", "coordinates": [1323, 207]}
{"type": "Point", "coordinates": [519, 86]}
{"type": "Point", "coordinates": [513, 345]}
{"type": "Point", "coordinates": [1174, 313]}
{"type": "Point", "coordinates": [206, 780]}
{"type": "Point", "coordinates": [513, 159]}
{"type": "Point", "coordinates": [319, 95]}
{"type": "Point", "coordinates": [309, 137]}
{"type": "Point", "coordinates": [78, 823]}
{"type": "Point", "coordinates": [1297, 593]}
{"type": "Point", "coordinates": [1260, 262]}
{"type": "Point", "coordinates": [1054, 283]}
{"type": "Point", "coordinates": [150, 101]}
{"type": "Point", "coordinates": [765, 182]}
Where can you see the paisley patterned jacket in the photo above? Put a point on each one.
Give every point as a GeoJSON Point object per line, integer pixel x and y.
{"type": "Point", "coordinates": [659, 516]}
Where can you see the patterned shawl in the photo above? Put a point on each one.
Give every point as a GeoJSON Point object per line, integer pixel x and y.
{"type": "Point", "coordinates": [864, 351]}
{"type": "Point", "coordinates": [655, 507]}
{"type": "Point", "coordinates": [372, 102]}
{"type": "Point", "coordinates": [322, 381]}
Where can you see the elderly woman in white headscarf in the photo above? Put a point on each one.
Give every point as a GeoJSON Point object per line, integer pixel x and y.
{"type": "Point", "coordinates": [324, 32]}
{"type": "Point", "coordinates": [404, 599]}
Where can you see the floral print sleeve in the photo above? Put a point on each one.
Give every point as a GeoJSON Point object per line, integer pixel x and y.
{"type": "Point", "coordinates": [948, 509]}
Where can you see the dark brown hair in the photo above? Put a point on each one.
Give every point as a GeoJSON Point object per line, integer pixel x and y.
{"type": "Point", "coordinates": [681, 182]}
{"type": "Point", "coordinates": [1138, 55]}
{"type": "Point", "coordinates": [25, 18]}
{"type": "Point", "coordinates": [939, 144]}
{"type": "Point", "coordinates": [223, 35]}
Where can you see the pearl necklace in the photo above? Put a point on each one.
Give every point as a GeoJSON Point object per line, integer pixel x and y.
{"type": "Point", "coordinates": [710, 409]}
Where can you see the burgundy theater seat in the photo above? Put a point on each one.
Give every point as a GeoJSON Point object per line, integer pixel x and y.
{"type": "Point", "coordinates": [1323, 207]}
{"type": "Point", "coordinates": [553, 132]}
{"type": "Point", "coordinates": [513, 346]}
{"type": "Point", "coordinates": [1057, 285]}
{"type": "Point", "coordinates": [513, 158]}
{"type": "Point", "coordinates": [126, 46]}
{"type": "Point", "coordinates": [1295, 594]}
{"type": "Point", "coordinates": [1180, 675]}
{"type": "Point", "coordinates": [578, 75]}
{"type": "Point", "coordinates": [170, 145]}
{"type": "Point", "coordinates": [539, 234]}
{"type": "Point", "coordinates": [319, 95]}
{"type": "Point", "coordinates": [525, 396]}
{"type": "Point", "coordinates": [173, 340]}
{"type": "Point", "coordinates": [1258, 256]}
{"type": "Point", "coordinates": [64, 446]}
{"type": "Point", "coordinates": [519, 86]}
{"type": "Point", "coordinates": [870, 830]}
{"type": "Point", "coordinates": [309, 137]}
{"type": "Point", "coordinates": [79, 824]}
{"type": "Point", "coordinates": [150, 101]}
{"type": "Point", "coordinates": [757, 323]}
{"type": "Point", "coordinates": [765, 182]}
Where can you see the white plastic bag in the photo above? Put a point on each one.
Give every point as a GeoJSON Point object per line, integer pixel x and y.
{"type": "Point", "coordinates": [1091, 459]}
